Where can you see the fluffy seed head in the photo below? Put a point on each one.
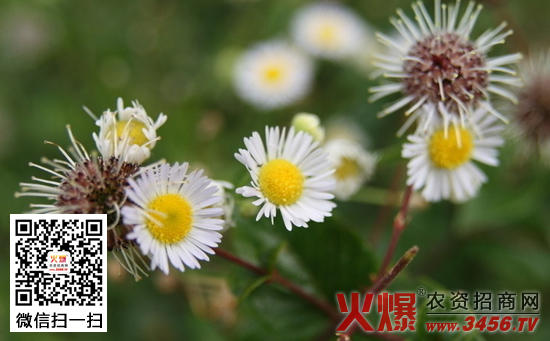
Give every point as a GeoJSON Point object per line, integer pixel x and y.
{"type": "Point", "coordinates": [438, 67]}
{"type": "Point", "coordinates": [443, 67]}
{"type": "Point", "coordinates": [532, 113]}
{"type": "Point", "coordinates": [95, 186]}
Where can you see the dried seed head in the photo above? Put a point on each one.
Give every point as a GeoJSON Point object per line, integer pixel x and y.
{"type": "Point", "coordinates": [446, 68]}
{"type": "Point", "coordinates": [95, 186]}
{"type": "Point", "coordinates": [533, 109]}
{"type": "Point", "coordinates": [81, 184]}
{"type": "Point", "coordinates": [440, 70]}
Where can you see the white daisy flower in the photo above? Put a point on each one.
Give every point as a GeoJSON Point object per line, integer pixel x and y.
{"type": "Point", "coordinates": [172, 217]}
{"type": "Point", "coordinates": [438, 66]}
{"type": "Point", "coordinates": [227, 203]}
{"type": "Point", "coordinates": [289, 173]}
{"type": "Point", "coordinates": [442, 160]}
{"type": "Point", "coordinates": [329, 30]}
{"type": "Point", "coordinates": [354, 166]}
{"type": "Point", "coordinates": [129, 137]}
{"type": "Point", "coordinates": [531, 116]}
{"type": "Point", "coordinates": [272, 75]}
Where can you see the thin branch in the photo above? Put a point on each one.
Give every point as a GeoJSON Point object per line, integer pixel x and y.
{"type": "Point", "coordinates": [401, 264]}
{"type": "Point", "coordinates": [399, 225]}
{"type": "Point", "coordinates": [276, 277]}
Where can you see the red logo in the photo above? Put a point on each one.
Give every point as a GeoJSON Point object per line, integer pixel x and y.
{"type": "Point", "coordinates": [402, 305]}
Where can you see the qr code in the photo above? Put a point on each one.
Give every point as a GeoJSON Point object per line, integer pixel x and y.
{"type": "Point", "coordinates": [58, 266]}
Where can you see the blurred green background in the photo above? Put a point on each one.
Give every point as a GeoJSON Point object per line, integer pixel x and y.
{"type": "Point", "coordinates": [176, 57]}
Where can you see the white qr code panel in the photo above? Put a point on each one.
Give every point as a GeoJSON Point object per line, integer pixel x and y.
{"type": "Point", "coordinates": [58, 266]}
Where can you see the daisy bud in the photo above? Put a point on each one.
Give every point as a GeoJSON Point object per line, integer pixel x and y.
{"type": "Point", "coordinates": [310, 124]}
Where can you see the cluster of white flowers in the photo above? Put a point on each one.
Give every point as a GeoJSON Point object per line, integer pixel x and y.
{"type": "Point", "coordinates": [172, 216]}
{"type": "Point", "coordinates": [276, 73]}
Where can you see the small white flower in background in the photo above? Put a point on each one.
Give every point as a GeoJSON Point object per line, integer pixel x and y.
{"type": "Point", "coordinates": [272, 75]}
{"type": "Point", "coordinates": [329, 30]}
{"type": "Point", "coordinates": [129, 137]}
{"type": "Point", "coordinates": [442, 159]}
{"type": "Point", "coordinates": [346, 129]}
{"type": "Point", "coordinates": [227, 203]}
{"type": "Point", "coordinates": [531, 116]}
{"type": "Point", "coordinates": [173, 216]}
{"type": "Point", "coordinates": [290, 173]}
{"type": "Point", "coordinates": [436, 65]}
{"type": "Point", "coordinates": [310, 124]}
{"type": "Point", "coordinates": [354, 166]}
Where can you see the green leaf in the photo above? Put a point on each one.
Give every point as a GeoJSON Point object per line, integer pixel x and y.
{"type": "Point", "coordinates": [335, 257]}
{"type": "Point", "coordinates": [279, 315]}
{"type": "Point", "coordinates": [266, 246]}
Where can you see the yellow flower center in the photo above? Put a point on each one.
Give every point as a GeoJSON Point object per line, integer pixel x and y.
{"type": "Point", "coordinates": [134, 129]}
{"type": "Point", "coordinates": [281, 182]}
{"type": "Point", "coordinates": [273, 74]}
{"type": "Point", "coordinates": [452, 151]}
{"type": "Point", "coordinates": [327, 35]}
{"type": "Point", "coordinates": [347, 168]}
{"type": "Point", "coordinates": [173, 218]}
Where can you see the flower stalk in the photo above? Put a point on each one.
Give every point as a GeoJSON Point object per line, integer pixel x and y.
{"type": "Point", "coordinates": [399, 225]}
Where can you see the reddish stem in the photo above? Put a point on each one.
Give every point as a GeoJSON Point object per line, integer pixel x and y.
{"type": "Point", "coordinates": [399, 225]}
{"type": "Point", "coordinates": [276, 277]}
